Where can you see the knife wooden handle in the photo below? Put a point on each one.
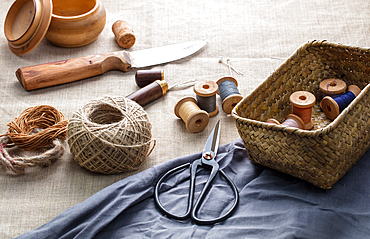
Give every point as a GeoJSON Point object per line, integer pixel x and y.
{"type": "Point", "coordinates": [60, 72]}
{"type": "Point", "coordinates": [149, 93]}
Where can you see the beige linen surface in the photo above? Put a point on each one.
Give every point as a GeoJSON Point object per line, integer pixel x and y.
{"type": "Point", "coordinates": [256, 35]}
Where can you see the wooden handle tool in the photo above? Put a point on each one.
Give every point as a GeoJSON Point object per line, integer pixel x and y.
{"type": "Point", "coordinates": [60, 72]}
{"type": "Point", "coordinates": [149, 93]}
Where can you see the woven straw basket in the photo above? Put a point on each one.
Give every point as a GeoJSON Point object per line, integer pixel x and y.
{"type": "Point", "coordinates": [326, 153]}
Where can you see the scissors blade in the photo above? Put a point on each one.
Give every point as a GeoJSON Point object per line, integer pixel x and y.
{"type": "Point", "coordinates": [213, 140]}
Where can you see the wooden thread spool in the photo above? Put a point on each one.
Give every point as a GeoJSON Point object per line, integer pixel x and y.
{"type": "Point", "coordinates": [124, 34]}
{"type": "Point", "coordinates": [333, 87]}
{"type": "Point", "coordinates": [206, 96]}
{"type": "Point", "coordinates": [302, 102]}
{"type": "Point", "coordinates": [229, 93]}
{"type": "Point", "coordinates": [291, 120]}
{"type": "Point", "coordinates": [333, 106]}
{"type": "Point", "coordinates": [195, 119]}
{"type": "Point", "coordinates": [145, 77]}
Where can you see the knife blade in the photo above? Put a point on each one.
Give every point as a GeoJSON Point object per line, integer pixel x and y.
{"type": "Point", "coordinates": [61, 72]}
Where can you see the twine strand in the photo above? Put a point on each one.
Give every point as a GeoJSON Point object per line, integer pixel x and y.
{"type": "Point", "coordinates": [18, 164]}
{"type": "Point", "coordinates": [40, 127]}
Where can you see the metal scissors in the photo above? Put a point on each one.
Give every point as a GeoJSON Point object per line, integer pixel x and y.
{"type": "Point", "coordinates": [208, 161]}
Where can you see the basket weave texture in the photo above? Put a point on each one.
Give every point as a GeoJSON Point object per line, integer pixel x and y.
{"type": "Point", "coordinates": [326, 153]}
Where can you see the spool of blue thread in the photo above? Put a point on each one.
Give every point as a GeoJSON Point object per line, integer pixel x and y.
{"type": "Point", "coordinates": [333, 106]}
{"type": "Point", "coordinates": [229, 93]}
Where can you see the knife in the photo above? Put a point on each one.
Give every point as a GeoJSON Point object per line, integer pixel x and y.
{"type": "Point", "coordinates": [61, 72]}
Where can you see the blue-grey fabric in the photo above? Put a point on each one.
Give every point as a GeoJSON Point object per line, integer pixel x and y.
{"type": "Point", "coordinates": [272, 205]}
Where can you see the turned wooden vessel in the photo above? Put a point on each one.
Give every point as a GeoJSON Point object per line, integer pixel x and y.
{"type": "Point", "coordinates": [76, 23]}
{"type": "Point", "coordinates": [67, 23]}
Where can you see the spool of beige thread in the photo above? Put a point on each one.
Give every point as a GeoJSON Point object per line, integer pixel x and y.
{"type": "Point", "coordinates": [124, 34]}
{"type": "Point", "coordinates": [195, 119]}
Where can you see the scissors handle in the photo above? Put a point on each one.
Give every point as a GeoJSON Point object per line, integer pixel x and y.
{"type": "Point", "coordinates": [190, 198]}
{"type": "Point", "coordinates": [193, 212]}
{"type": "Point", "coordinates": [198, 203]}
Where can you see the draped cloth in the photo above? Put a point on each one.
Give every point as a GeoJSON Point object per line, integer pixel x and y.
{"type": "Point", "coordinates": [272, 205]}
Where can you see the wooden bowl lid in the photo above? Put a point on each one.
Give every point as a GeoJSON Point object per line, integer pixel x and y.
{"type": "Point", "coordinates": [25, 31]}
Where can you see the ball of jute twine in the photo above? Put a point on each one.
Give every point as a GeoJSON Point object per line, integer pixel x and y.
{"type": "Point", "coordinates": [37, 128]}
{"type": "Point", "coordinates": [110, 135]}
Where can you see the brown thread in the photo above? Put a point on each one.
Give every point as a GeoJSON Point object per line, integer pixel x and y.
{"type": "Point", "coordinates": [37, 127]}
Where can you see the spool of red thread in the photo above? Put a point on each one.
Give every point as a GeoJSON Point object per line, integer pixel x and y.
{"type": "Point", "coordinates": [291, 120]}
{"type": "Point", "coordinates": [302, 102]}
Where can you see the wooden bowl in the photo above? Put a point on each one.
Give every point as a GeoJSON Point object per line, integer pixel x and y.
{"type": "Point", "coordinates": [76, 23]}
{"type": "Point", "coordinates": [67, 23]}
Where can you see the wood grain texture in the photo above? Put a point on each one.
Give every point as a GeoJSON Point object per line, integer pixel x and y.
{"type": "Point", "coordinates": [61, 72]}
{"type": "Point", "coordinates": [147, 94]}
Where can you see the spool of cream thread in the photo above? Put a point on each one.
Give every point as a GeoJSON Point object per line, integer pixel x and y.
{"type": "Point", "coordinates": [123, 33]}
{"type": "Point", "coordinates": [330, 105]}
{"type": "Point", "coordinates": [302, 102]}
{"type": "Point", "coordinates": [229, 93]}
{"type": "Point", "coordinates": [291, 120]}
{"type": "Point", "coordinates": [206, 96]}
{"type": "Point", "coordinates": [195, 119]}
